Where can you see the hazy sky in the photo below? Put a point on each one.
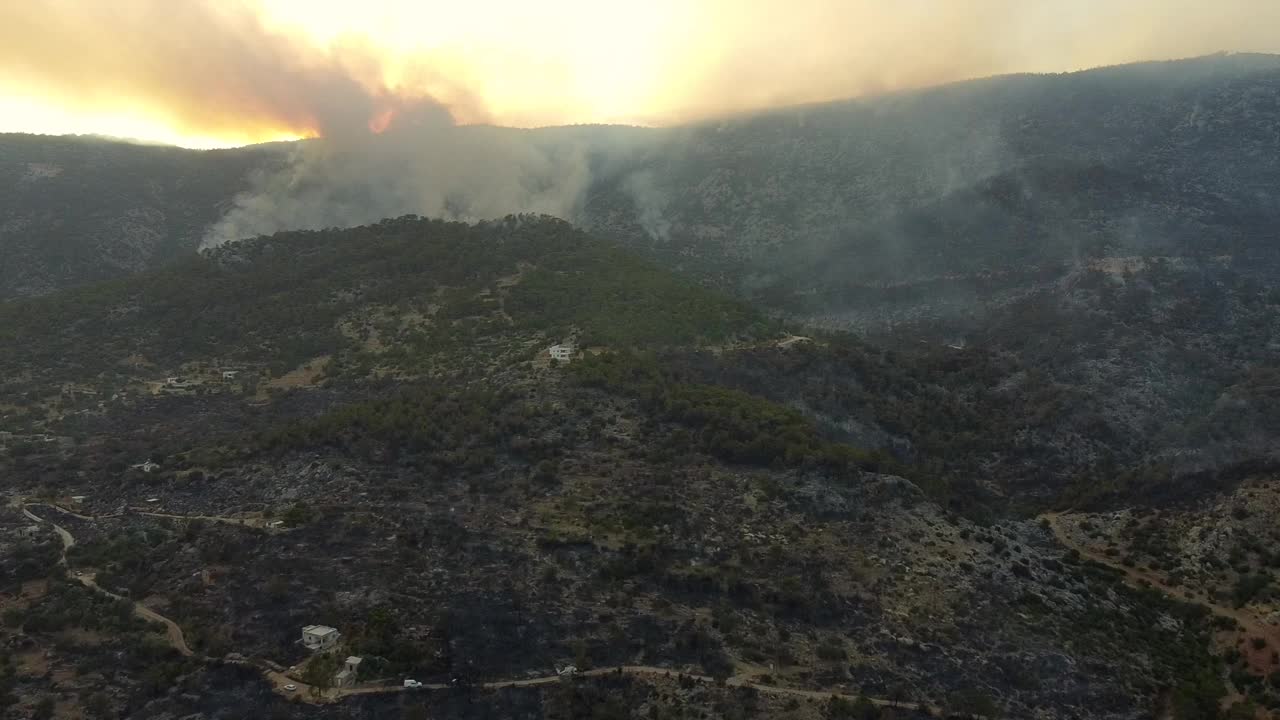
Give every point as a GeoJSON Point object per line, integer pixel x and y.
{"type": "Point", "coordinates": [219, 72]}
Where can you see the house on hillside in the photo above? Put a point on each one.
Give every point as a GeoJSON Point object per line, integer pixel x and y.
{"type": "Point", "coordinates": [146, 467]}
{"type": "Point", "coordinates": [177, 385]}
{"type": "Point", "coordinates": [229, 375]}
{"type": "Point", "coordinates": [346, 677]}
{"type": "Point", "coordinates": [319, 637]}
{"type": "Point", "coordinates": [563, 352]}
{"type": "Point", "coordinates": [71, 390]}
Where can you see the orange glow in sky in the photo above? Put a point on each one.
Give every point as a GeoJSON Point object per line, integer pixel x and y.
{"type": "Point", "coordinates": [208, 73]}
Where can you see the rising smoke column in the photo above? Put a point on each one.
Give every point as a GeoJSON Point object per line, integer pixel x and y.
{"type": "Point", "coordinates": [215, 68]}
{"type": "Point", "coordinates": [422, 163]}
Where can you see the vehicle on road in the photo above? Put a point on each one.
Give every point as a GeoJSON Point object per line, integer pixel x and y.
{"type": "Point", "coordinates": [290, 687]}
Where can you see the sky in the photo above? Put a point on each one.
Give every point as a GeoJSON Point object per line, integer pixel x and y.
{"type": "Point", "coordinates": [217, 73]}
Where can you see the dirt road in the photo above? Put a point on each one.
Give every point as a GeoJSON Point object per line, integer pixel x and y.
{"type": "Point", "coordinates": [736, 681]}
{"type": "Point", "coordinates": [306, 693]}
{"type": "Point", "coordinates": [67, 541]}
{"type": "Point", "coordinates": [1250, 624]}
{"type": "Point", "coordinates": [243, 522]}
{"type": "Point", "coordinates": [172, 630]}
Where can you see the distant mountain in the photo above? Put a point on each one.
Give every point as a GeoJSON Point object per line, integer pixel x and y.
{"type": "Point", "coordinates": [989, 175]}
{"type": "Point", "coordinates": [1176, 157]}
{"type": "Point", "coordinates": [75, 210]}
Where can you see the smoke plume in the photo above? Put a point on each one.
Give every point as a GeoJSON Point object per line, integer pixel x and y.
{"type": "Point", "coordinates": [257, 69]}
{"type": "Point", "coordinates": [422, 164]}
{"type": "Point", "coordinates": [735, 56]}
{"type": "Point", "coordinates": [211, 69]}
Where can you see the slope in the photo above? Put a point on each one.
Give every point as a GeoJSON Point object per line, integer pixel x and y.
{"type": "Point", "coordinates": [463, 508]}
{"type": "Point", "coordinates": [425, 287]}
{"type": "Point", "coordinates": [75, 209]}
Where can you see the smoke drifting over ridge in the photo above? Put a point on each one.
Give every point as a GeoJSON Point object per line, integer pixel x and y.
{"type": "Point", "coordinates": [746, 56]}
{"type": "Point", "coordinates": [207, 68]}
{"type": "Point", "coordinates": [260, 69]}
{"type": "Point", "coordinates": [381, 150]}
{"type": "Point", "coordinates": [387, 113]}
{"type": "Point", "coordinates": [422, 165]}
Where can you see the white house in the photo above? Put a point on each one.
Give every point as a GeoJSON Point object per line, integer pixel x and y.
{"type": "Point", "coordinates": [319, 637]}
{"type": "Point", "coordinates": [229, 375]}
{"type": "Point", "coordinates": [146, 467]}
{"type": "Point", "coordinates": [346, 677]}
{"type": "Point", "coordinates": [563, 352]}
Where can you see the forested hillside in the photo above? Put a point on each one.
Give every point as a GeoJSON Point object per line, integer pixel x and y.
{"type": "Point", "coordinates": [396, 295]}
{"type": "Point", "coordinates": [363, 428]}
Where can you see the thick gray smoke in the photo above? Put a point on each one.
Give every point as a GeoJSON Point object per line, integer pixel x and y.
{"type": "Point", "coordinates": [422, 164]}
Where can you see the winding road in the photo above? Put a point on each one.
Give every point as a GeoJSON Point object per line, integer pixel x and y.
{"type": "Point", "coordinates": [1249, 623]}
{"type": "Point", "coordinates": [172, 630]}
{"type": "Point", "coordinates": [314, 695]}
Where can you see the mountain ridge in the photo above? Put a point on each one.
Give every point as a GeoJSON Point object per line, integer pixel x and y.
{"type": "Point", "coordinates": [845, 165]}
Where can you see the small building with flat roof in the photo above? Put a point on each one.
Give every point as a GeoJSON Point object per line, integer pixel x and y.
{"type": "Point", "coordinates": [319, 637]}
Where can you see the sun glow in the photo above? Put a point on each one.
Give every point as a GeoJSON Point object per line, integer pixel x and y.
{"type": "Point", "coordinates": [45, 119]}
{"type": "Point", "coordinates": [211, 73]}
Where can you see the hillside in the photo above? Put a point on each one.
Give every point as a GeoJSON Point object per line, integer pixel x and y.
{"type": "Point", "coordinates": [961, 396]}
{"type": "Point", "coordinates": [686, 494]}
{"type": "Point", "coordinates": [397, 294]}
{"type": "Point", "coordinates": [75, 210]}
{"type": "Point", "coordinates": [989, 175]}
